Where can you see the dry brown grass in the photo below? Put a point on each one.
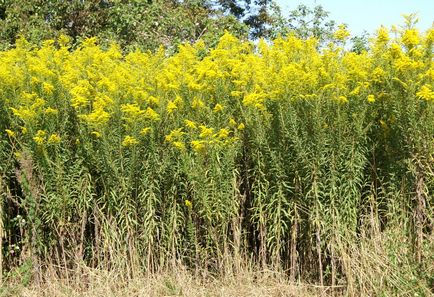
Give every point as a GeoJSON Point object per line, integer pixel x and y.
{"type": "Point", "coordinates": [178, 282]}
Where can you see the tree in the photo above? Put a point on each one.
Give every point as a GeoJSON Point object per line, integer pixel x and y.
{"type": "Point", "coordinates": [255, 14]}
{"type": "Point", "coordinates": [305, 22]}
{"type": "Point", "coordinates": [360, 43]}
{"type": "Point", "coordinates": [138, 23]}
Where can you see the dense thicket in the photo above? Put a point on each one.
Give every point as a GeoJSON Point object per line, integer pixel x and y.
{"type": "Point", "coordinates": [144, 24]}
{"type": "Point", "coordinates": [147, 24]}
{"type": "Point", "coordinates": [315, 162]}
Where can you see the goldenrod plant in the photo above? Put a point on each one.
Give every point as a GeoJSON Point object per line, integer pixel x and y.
{"type": "Point", "coordinates": [310, 160]}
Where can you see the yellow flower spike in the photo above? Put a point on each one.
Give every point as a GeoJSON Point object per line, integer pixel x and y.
{"type": "Point", "coordinates": [179, 145]}
{"type": "Point", "coordinates": [342, 33]}
{"type": "Point", "coordinates": [145, 131]}
{"type": "Point", "coordinates": [371, 98]}
{"type": "Point", "coordinates": [90, 42]}
{"type": "Point", "coordinates": [153, 100]}
{"type": "Point", "coordinates": [218, 107]}
{"type": "Point", "coordinates": [41, 133]}
{"type": "Point", "coordinates": [342, 99]}
{"type": "Point", "coordinates": [178, 101]}
{"type": "Point", "coordinates": [132, 111]}
{"type": "Point", "coordinates": [223, 133]}
{"type": "Point", "coordinates": [188, 203]}
{"type": "Point", "coordinates": [425, 93]}
{"type": "Point", "coordinates": [50, 110]}
{"type": "Point", "coordinates": [190, 124]}
{"type": "Point", "coordinates": [10, 133]}
{"type": "Point", "coordinates": [355, 92]}
{"type": "Point", "coordinates": [411, 38]}
{"type": "Point", "coordinates": [38, 139]}
{"type": "Point", "coordinates": [197, 103]}
{"type": "Point", "coordinates": [64, 40]}
{"type": "Point", "coordinates": [382, 35]}
{"type": "Point", "coordinates": [129, 141]}
{"type": "Point", "coordinates": [96, 118]}
{"type": "Point", "coordinates": [96, 134]}
{"type": "Point", "coordinates": [47, 88]}
{"type": "Point", "coordinates": [254, 99]}
{"type": "Point", "coordinates": [195, 86]}
{"type": "Point", "coordinates": [236, 93]}
{"type": "Point", "coordinates": [152, 114]}
{"type": "Point", "coordinates": [23, 130]}
{"type": "Point", "coordinates": [54, 139]}
{"type": "Point", "coordinates": [232, 122]}
{"type": "Point", "coordinates": [174, 134]}
{"type": "Point", "coordinates": [171, 107]}
{"type": "Point", "coordinates": [241, 127]}
{"type": "Point", "coordinates": [198, 145]}
{"type": "Point", "coordinates": [205, 131]}
{"type": "Point", "coordinates": [35, 81]}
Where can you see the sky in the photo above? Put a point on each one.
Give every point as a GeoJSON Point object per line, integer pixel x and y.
{"type": "Point", "coordinates": [369, 15]}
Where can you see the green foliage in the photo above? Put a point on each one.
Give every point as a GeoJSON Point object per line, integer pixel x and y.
{"type": "Point", "coordinates": [255, 14]}
{"type": "Point", "coordinates": [142, 24]}
{"type": "Point", "coordinates": [305, 22]}
{"type": "Point", "coordinates": [360, 43]}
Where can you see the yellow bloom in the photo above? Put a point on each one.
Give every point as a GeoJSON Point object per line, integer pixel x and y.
{"type": "Point", "coordinates": [96, 134]}
{"type": "Point", "coordinates": [410, 38]}
{"type": "Point", "coordinates": [40, 137]}
{"type": "Point", "coordinates": [198, 145]}
{"type": "Point", "coordinates": [54, 139]}
{"type": "Point", "coordinates": [197, 103]}
{"type": "Point", "coordinates": [241, 126]}
{"type": "Point", "coordinates": [132, 111]}
{"type": "Point", "coordinates": [152, 114]}
{"type": "Point", "coordinates": [153, 100]}
{"type": "Point", "coordinates": [188, 203]}
{"type": "Point", "coordinates": [425, 93]}
{"type": "Point", "coordinates": [171, 107]}
{"type": "Point", "coordinates": [205, 131]}
{"type": "Point", "coordinates": [64, 40]}
{"type": "Point", "coordinates": [223, 133]}
{"type": "Point", "coordinates": [50, 110]}
{"type": "Point", "coordinates": [371, 98]}
{"type": "Point", "coordinates": [232, 122]}
{"type": "Point", "coordinates": [343, 99]}
{"type": "Point", "coordinates": [145, 131]}
{"type": "Point", "coordinates": [236, 93]}
{"type": "Point", "coordinates": [356, 91]}
{"type": "Point", "coordinates": [174, 134]}
{"type": "Point", "coordinates": [96, 118]}
{"type": "Point", "coordinates": [179, 145]}
{"type": "Point", "coordinates": [47, 88]}
{"type": "Point", "coordinates": [24, 113]}
{"type": "Point", "coordinates": [10, 133]}
{"type": "Point", "coordinates": [382, 35]}
{"type": "Point", "coordinates": [129, 141]}
{"type": "Point", "coordinates": [190, 124]}
{"type": "Point", "coordinates": [253, 99]}
{"type": "Point", "coordinates": [218, 107]}
{"type": "Point", "coordinates": [342, 33]}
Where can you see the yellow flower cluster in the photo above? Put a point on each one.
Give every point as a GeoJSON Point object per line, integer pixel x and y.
{"type": "Point", "coordinates": [195, 102]}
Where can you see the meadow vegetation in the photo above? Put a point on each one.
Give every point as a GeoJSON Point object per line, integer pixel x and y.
{"type": "Point", "coordinates": [305, 159]}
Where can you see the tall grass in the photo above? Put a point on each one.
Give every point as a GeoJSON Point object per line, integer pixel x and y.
{"type": "Point", "coordinates": [316, 162]}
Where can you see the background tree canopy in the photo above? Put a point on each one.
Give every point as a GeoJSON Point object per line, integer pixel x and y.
{"type": "Point", "coordinates": [147, 24]}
